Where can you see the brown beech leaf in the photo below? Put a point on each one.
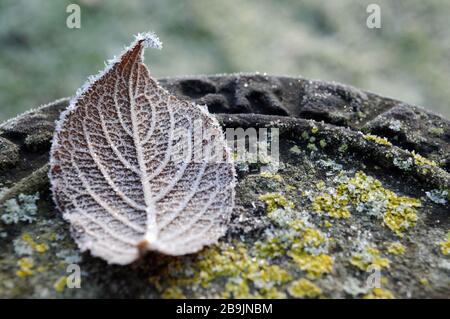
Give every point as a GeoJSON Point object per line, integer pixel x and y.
{"type": "Point", "coordinates": [134, 168]}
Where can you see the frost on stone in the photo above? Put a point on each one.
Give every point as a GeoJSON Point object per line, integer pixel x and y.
{"type": "Point", "coordinates": [404, 164]}
{"type": "Point", "coordinates": [134, 168]}
{"type": "Point", "coordinates": [354, 287]}
{"type": "Point", "coordinates": [395, 125]}
{"type": "Point", "coordinates": [69, 256]}
{"type": "Point", "coordinates": [20, 209]}
{"type": "Point", "coordinates": [22, 248]}
{"type": "Point", "coordinates": [438, 196]}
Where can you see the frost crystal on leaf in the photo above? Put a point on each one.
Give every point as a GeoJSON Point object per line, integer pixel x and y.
{"type": "Point", "coordinates": [134, 168]}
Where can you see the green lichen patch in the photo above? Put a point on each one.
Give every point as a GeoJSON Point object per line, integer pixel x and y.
{"type": "Point", "coordinates": [266, 268]}
{"type": "Point", "coordinates": [419, 160]}
{"type": "Point", "coordinates": [379, 293]}
{"type": "Point", "coordinates": [25, 245]}
{"type": "Point", "coordinates": [60, 284]}
{"type": "Point", "coordinates": [333, 204]}
{"type": "Point", "coordinates": [274, 201]}
{"type": "Point", "coordinates": [314, 265]}
{"type": "Point", "coordinates": [369, 258]}
{"type": "Point", "coordinates": [35, 255]}
{"type": "Point", "coordinates": [323, 143]}
{"type": "Point", "coordinates": [312, 147]}
{"type": "Point", "coordinates": [437, 131]}
{"type": "Point", "coordinates": [244, 275]}
{"type": "Point", "coordinates": [306, 245]}
{"type": "Point", "coordinates": [377, 139]}
{"type": "Point", "coordinates": [173, 293]}
{"type": "Point", "coordinates": [396, 248]}
{"type": "Point", "coordinates": [272, 176]}
{"type": "Point", "coordinates": [366, 194]}
{"type": "Point", "coordinates": [38, 247]}
{"type": "Point", "coordinates": [26, 265]}
{"type": "Point", "coordinates": [295, 150]}
{"type": "Point", "coordinates": [424, 282]}
{"type": "Point", "coordinates": [303, 288]}
{"type": "Point", "coordinates": [343, 148]}
{"type": "Point", "coordinates": [445, 245]}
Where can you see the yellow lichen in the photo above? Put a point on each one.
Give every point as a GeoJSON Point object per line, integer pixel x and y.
{"type": "Point", "coordinates": [370, 258]}
{"type": "Point", "coordinates": [60, 284]}
{"type": "Point", "coordinates": [323, 143]}
{"type": "Point", "coordinates": [273, 293]}
{"type": "Point", "coordinates": [445, 245]}
{"type": "Point", "coordinates": [290, 188]}
{"type": "Point", "coordinates": [424, 282]}
{"type": "Point", "coordinates": [237, 290]}
{"type": "Point", "coordinates": [314, 129]}
{"type": "Point", "coordinates": [51, 236]}
{"type": "Point", "coordinates": [379, 293]}
{"type": "Point", "coordinates": [274, 201]}
{"type": "Point", "coordinates": [295, 150]}
{"type": "Point", "coordinates": [438, 131]}
{"type": "Point", "coordinates": [377, 139]}
{"type": "Point", "coordinates": [313, 237]}
{"type": "Point", "coordinates": [332, 204]}
{"type": "Point", "coordinates": [327, 224]}
{"type": "Point", "coordinates": [41, 269]}
{"type": "Point", "coordinates": [298, 242]}
{"type": "Point", "coordinates": [173, 293]}
{"type": "Point", "coordinates": [320, 185]}
{"type": "Point", "coordinates": [304, 288]}
{"type": "Point", "coordinates": [249, 271]}
{"type": "Point", "coordinates": [246, 276]}
{"type": "Point", "coordinates": [26, 265]}
{"type": "Point", "coordinates": [40, 248]}
{"type": "Point", "coordinates": [401, 213]}
{"type": "Point", "coordinates": [314, 265]}
{"type": "Point", "coordinates": [343, 148]}
{"type": "Point", "coordinates": [396, 248]}
{"type": "Point", "coordinates": [312, 147]}
{"type": "Point", "coordinates": [367, 193]}
{"type": "Point", "coordinates": [419, 160]}
{"type": "Point", "coordinates": [272, 247]}
{"type": "Point", "coordinates": [305, 135]}
{"type": "Point", "coordinates": [307, 238]}
{"type": "Point", "coordinates": [273, 176]}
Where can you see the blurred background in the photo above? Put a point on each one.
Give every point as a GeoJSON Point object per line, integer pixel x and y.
{"type": "Point", "coordinates": [408, 58]}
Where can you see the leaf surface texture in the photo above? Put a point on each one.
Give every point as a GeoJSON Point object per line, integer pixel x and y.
{"type": "Point", "coordinates": [133, 168]}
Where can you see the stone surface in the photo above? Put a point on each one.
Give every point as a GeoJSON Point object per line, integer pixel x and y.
{"type": "Point", "coordinates": [283, 240]}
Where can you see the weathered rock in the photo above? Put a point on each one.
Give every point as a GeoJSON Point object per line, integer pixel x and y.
{"type": "Point", "coordinates": [283, 240]}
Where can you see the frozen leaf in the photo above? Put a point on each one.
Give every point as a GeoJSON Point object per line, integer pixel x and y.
{"type": "Point", "coordinates": [134, 168]}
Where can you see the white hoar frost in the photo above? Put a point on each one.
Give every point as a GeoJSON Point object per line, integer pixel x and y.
{"type": "Point", "coordinates": [134, 168]}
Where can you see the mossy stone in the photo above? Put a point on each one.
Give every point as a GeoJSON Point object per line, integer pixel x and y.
{"type": "Point", "coordinates": [285, 250]}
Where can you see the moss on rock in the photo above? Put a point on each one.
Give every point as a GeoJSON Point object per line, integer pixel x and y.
{"type": "Point", "coordinates": [284, 239]}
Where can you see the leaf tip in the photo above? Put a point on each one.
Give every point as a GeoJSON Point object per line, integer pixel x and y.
{"type": "Point", "coordinates": [149, 40]}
